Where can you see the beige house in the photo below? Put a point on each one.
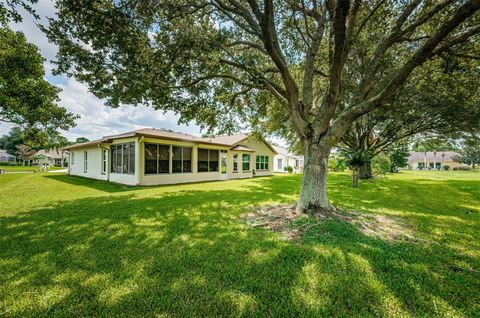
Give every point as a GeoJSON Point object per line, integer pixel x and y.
{"type": "Point", "coordinates": [50, 157]}
{"type": "Point", "coordinates": [285, 158]}
{"type": "Point", "coordinates": [432, 160]}
{"type": "Point", "coordinates": [153, 156]}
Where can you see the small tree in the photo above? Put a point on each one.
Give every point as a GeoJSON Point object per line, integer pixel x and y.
{"type": "Point", "coordinates": [398, 158]}
{"type": "Point", "coordinates": [469, 152]}
{"type": "Point", "coordinates": [25, 153]}
{"type": "Point", "coordinates": [355, 159]}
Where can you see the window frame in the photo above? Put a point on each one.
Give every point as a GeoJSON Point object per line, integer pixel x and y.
{"type": "Point", "coordinates": [246, 155]}
{"type": "Point", "coordinates": [235, 163]}
{"type": "Point", "coordinates": [181, 160]}
{"type": "Point", "coordinates": [208, 159]}
{"type": "Point", "coordinates": [104, 167]}
{"type": "Point", "coordinates": [262, 163]}
{"type": "Point", "coordinates": [157, 145]}
{"type": "Point", "coordinates": [130, 170]}
{"type": "Point", "coordinates": [85, 161]}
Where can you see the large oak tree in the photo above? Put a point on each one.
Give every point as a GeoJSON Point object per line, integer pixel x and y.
{"type": "Point", "coordinates": [217, 61]}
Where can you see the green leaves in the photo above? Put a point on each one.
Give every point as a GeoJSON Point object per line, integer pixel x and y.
{"type": "Point", "coordinates": [26, 98]}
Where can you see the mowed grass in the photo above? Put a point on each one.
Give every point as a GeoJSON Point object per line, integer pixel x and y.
{"type": "Point", "coordinates": [25, 168]}
{"type": "Point", "coordinates": [77, 247]}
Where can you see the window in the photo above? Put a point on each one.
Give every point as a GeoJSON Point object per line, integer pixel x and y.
{"type": "Point", "coordinates": [123, 158]}
{"type": "Point", "coordinates": [157, 159]}
{"type": "Point", "coordinates": [104, 161]}
{"type": "Point", "coordinates": [181, 159]}
{"type": "Point", "coordinates": [85, 161]}
{"type": "Point", "coordinates": [261, 163]}
{"type": "Point", "coordinates": [207, 160]}
{"type": "Point", "coordinates": [73, 157]}
{"type": "Point", "coordinates": [280, 164]}
{"type": "Point", "coordinates": [245, 162]}
{"type": "Point", "coordinates": [235, 163]}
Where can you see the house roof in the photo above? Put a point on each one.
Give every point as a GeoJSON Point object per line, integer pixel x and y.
{"type": "Point", "coordinates": [4, 153]}
{"type": "Point", "coordinates": [50, 153]}
{"type": "Point", "coordinates": [432, 156]}
{"type": "Point", "coordinates": [242, 148]}
{"type": "Point", "coordinates": [284, 152]}
{"type": "Point", "coordinates": [228, 141]}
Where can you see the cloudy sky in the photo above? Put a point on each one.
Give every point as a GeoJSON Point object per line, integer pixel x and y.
{"type": "Point", "coordinates": [96, 119]}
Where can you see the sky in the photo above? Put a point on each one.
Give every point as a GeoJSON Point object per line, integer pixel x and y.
{"type": "Point", "coordinates": [96, 120]}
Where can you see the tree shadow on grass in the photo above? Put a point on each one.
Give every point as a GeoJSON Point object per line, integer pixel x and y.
{"type": "Point", "coordinates": [187, 254]}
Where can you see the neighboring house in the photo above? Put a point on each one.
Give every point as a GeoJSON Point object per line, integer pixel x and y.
{"type": "Point", "coordinates": [6, 157]}
{"type": "Point", "coordinates": [284, 158]}
{"type": "Point", "coordinates": [51, 157]}
{"type": "Point", "coordinates": [432, 160]}
{"type": "Point", "coordinates": [152, 156]}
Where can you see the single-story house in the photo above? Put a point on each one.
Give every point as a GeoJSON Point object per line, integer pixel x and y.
{"type": "Point", "coordinates": [153, 156]}
{"type": "Point", "coordinates": [51, 157]}
{"type": "Point", "coordinates": [432, 160]}
{"type": "Point", "coordinates": [6, 157]}
{"type": "Point", "coordinates": [285, 158]}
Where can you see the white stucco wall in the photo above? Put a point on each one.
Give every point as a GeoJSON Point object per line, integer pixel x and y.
{"type": "Point", "coordinates": [94, 161]}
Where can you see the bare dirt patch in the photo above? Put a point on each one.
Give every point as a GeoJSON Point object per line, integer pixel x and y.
{"type": "Point", "coordinates": [279, 218]}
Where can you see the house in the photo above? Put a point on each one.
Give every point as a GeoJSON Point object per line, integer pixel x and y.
{"type": "Point", "coordinates": [285, 158]}
{"type": "Point", "coordinates": [153, 156]}
{"type": "Point", "coordinates": [432, 160]}
{"type": "Point", "coordinates": [6, 157]}
{"type": "Point", "coordinates": [51, 157]}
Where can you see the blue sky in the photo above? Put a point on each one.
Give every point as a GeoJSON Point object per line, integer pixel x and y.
{"type": "Point", "coordinates": [96, 120]}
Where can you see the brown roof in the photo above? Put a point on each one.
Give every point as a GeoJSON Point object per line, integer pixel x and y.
{"type": "Point", "coordinates": [242, 148]}
{"type": "Point", "coordinates": [50, 153]}
{"type": "Point", "coordinates": [230, 141]}
{"type": "Point", "coordinates": [431, 156]}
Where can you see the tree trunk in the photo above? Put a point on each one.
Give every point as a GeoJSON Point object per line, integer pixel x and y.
{"type": "Point", "coordinates": [365, 171]}
{"type": "Point", "coordinates": [313, 194]}
{"type": "Point", "coordinates": [355, 177]}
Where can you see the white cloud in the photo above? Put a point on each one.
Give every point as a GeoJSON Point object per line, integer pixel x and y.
{"type": "Point", "coordinates": [96, 119]}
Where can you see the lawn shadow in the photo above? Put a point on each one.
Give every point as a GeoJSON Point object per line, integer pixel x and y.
{"type": "Point", "coordinates": [186, 253]}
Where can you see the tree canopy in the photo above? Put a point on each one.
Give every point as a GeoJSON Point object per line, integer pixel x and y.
{"type": "Point", "coordinates": [224, 62]}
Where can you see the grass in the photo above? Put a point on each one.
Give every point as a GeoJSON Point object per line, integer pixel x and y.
{"type": "Point", "coordinates": [25, 168]}
{"type": "Point", "coordinates": [73, 246]}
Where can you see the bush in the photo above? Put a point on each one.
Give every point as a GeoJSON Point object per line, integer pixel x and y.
{"type": "Point", "coordinates": [381, 165]}
{"type": "Point", "coordinates": [9, 163]}
{"type": "Point", "coordinates": [446, 167]}
{"type": "Point", "coordinates": [462, 168]}
{"type": "Point", "coordinates": [288, 169]}
{"type": "Point", "coordinates": [336, 165]}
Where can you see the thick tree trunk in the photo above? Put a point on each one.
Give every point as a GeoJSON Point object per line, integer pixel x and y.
{"type": "Point", "coordinates": [365, 171]}
{"type": "Point", "coordinates": [313, 195]}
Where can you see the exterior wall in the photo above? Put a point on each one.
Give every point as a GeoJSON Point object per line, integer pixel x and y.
{"type": "Point", "coordinates": [452, 164]}
{"type": "Point", "coordinates": [287, 161]}
{"type": "Point", "coordinates": [140, 178]}
{"type": "Point", "coordinates": [94, 160]}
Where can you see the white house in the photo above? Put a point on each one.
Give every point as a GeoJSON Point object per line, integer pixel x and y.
{"type": "Point", "coordinates": [432, 160]}
{"type": "Point", "coordinates": [152, 156]}
{"type": "Point", "coordinates": [284, 158]}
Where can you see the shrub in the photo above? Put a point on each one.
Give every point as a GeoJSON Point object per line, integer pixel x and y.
{"type": "Point", "coordinates": [381, 165]}
{"type": "Point", "coordinates": [9, 163]}
{"type": "Point", "coordinates": [288, 169]}
{"type": "Point", "coordinates": [336, 165]}
{"type": "Point", "coordinates": [462, 168]}
{"type": "Point", "coordinates": [446, 167]}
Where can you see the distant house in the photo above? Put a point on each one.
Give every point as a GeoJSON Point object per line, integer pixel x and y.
{"type": "Point", "coordinates": [432, 160]}
{"type": "Point", "coordinates": [51, 157]}
{"type": "Point", "coordinates": [285, 158]}
{"type": "Point", "coordinates": [6, 157]}
{"type": "Point", "coordinates": [152, 156]}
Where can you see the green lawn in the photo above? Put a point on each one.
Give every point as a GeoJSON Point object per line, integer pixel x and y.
{"type": "Point", "coordinates": [25, 168]}
{"type": "Point", "coordinates": [75, 247]}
